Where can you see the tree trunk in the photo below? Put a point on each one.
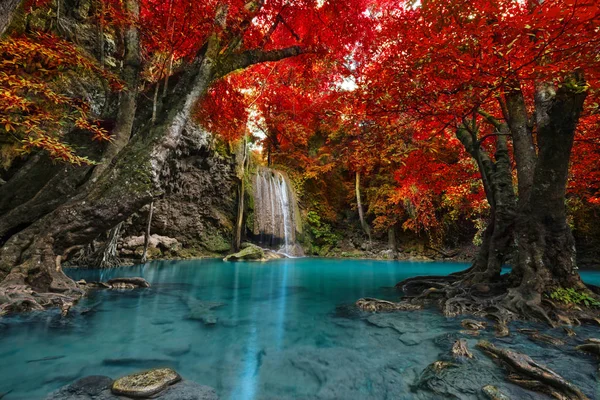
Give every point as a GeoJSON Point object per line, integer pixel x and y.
{"type": "Point", "coordinates": [361, 214]}
{"type": "Point", "coordinates": [128, 99]}
{"type": "Point", "coordinates": [241, 174]}
{"type": "Point", "coordinates": [545, 242]}
{"type": "Point", "coordinates": [147, 233]}
{"type": "Point", "coordinates": [545, 250]}
{"type": "Point", "coordinates": [8, 8]}
{"type": "Point", "coordinates": [32, 257]}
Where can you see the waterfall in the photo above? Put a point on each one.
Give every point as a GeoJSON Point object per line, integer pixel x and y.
{"type": "Point", "coordinates": [276, 216]}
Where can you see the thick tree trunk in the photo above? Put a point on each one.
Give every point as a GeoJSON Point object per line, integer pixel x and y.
{"type": "Point", "coordinates": [32, 257]}
{"type": "Point", "coordinates": [545, 253]}
{"type": "Point", "coordinates": [128, 99]}
{"type": "Point", "coordinates": [545, 242]}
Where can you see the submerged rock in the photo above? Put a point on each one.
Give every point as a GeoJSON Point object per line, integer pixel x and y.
{"type": "Point", "coordinates": [145, 384]}
{"type": "Point", "coordinates": [493, 393]}
{"type": "Point", "coordinates": [128, 283]}
{"type": "Point", "coordinates": [91, 387]}
{"type": "Point", "coordinates": [99, 388]}
{"type": "Point", "coordinates": [202, 311]}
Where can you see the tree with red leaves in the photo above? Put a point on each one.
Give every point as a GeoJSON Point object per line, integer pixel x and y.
{"type": "Point", "coordinates": [208, 42]}
{"type": "Point", "coordinates": [510, 80]}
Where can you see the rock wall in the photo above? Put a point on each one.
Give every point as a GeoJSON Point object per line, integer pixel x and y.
{"type": "Point", "coordinates": [198, 207]}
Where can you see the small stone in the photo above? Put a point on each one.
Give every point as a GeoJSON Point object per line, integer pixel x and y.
{"type": "Point", "coordinates": [494, 393]}
{"type": "Point", "coordinates": [145, 384]}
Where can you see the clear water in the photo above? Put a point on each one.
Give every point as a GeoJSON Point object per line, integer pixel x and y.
{"type": "Point", "coordinates": [286, 330]}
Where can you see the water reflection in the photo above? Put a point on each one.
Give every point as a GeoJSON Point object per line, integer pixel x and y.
{"type": "Point", "coordinates": [287, 330]}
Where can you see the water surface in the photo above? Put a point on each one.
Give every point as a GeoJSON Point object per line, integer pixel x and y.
{"type": "Point", "coordinates": [285, 330]}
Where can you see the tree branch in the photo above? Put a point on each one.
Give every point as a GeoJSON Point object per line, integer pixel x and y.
{"type": "Point", "coordinates": [247, 58]}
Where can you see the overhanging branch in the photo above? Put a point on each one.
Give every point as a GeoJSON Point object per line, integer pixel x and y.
{"type": "Point", "coordinates": [247, 58]}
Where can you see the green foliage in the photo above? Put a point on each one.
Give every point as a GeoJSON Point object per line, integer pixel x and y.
{"type": "Point", "coordinates": [324, 236]}
{"type": "Point", "coordinates": [572, 296]}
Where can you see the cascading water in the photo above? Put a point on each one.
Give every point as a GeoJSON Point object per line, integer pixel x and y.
{"type": "Point", "coordinates": [276, 216]}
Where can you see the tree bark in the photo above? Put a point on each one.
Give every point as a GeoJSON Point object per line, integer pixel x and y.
{"type": "Point", "coordinates": [8, 8]}
{"type": "Point", "coordinates": [128, 99]}
{"type": "Point", "coordinates": [237, 240]}
{"type": "Point", "coordinates": [147, 233]}
{"type": "Point", "coordinates": [361, 214]}
{"type": "Point", "coordinates": [545, 242]}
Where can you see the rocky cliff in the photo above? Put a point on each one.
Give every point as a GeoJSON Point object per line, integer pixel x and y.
{"type": "Point", "coordinates": [198, 207]}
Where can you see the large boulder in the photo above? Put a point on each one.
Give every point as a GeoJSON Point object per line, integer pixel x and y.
{"type": "Point", "coordinates": [248, 252]}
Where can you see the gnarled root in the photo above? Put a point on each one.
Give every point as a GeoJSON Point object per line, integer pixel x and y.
{"type": "Point", "coordinates": [376, 305]}
{"type": "Point", "coordinates": [531, 375]}
{"type": "Point", "coordinates": [461, 350]}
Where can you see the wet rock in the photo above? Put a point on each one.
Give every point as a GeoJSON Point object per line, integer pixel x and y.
{"type": "Point", "coordinates": [460, 350]}
{"type": "Point", "coordinates": [593, 348]}
{"type": "Point", "coordinates": [493, 393]}
{"type": "Point", "coordinates": [128, 283]}
{"type": "Point", "coordinates": [90, 387]}
{"type": "Point", "coordinates": [188, 390]}
{"type": "Point", "coordinates": [501, 330]}
{"type": "Point", "coordinates": [145, 384]}
{"type": "Point", "coordinates": [99, 388]}
{"type": "Point", "coordinates": [473, 325]}
{"type": "Point", "coordinates": [116, 283]}
{"type": "Point", "coordinates": [249, 252]}
{"type": "Point", "coordinates": [155, 241]}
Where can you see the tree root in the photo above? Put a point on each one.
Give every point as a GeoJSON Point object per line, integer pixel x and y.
{"type": "Point", "coordinates": [461, 350]}
{"type": "Point", "coordinates": [376, 305]}
{"type": "Point", "coordinates": [472, 292]}
{"type": "Point", "coordinates": [531, 375]}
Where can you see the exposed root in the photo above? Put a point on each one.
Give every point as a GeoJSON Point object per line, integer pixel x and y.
{"type": "Point", "coordinates": [376, 305]}
{"type": "Point", "coordinates": [535, 336]}
{"type": "Point", "coordinates": [532, 375]}
{"type": "Point", "coordinates": [461, 350]}
{"type": "Point", "coordinates": [472, 292]}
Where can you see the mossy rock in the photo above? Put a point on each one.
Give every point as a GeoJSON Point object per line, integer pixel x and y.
{"type": "Point", "coordinates": [145, 384]}
{"type": "Point", "coordinates": [152, 252]}
{"type": "Point", "coordinates": [215, 243]}
{"type": "Point", "coordinates": [249, 252]}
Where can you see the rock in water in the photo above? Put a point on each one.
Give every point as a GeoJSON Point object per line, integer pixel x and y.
{"type": "Point", "coordinates": [250, 252]}
{"type": "Point", "coordinates": [99, 388]}
{"type": "Point", "coordinates": [145, 384]}
{"type": "Point", "coordinates": [128, 283]}
{"type": "Point", "coordinates": [494, 393]}
{"type": "Point", "coordinates": [90, 387]}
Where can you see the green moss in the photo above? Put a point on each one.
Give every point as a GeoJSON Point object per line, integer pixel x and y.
{"type": "Point", "coordinates": [215, 242]}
